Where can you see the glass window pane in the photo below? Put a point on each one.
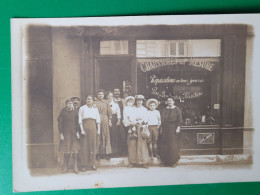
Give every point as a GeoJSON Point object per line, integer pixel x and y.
{"type": "Point", "coordinates": [173, 49]}
{"type": "Point", "coordinates": [114, 47]}
{"type": "Point", "coordinates": [181, 49]}
{"type": "Point", "coordinates": [178, 48]}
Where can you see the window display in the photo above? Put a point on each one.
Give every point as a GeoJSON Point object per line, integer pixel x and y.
{"type": "Point", "coordinates": [193, 81]}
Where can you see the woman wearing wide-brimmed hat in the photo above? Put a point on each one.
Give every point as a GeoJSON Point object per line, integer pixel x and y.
{"type": "Point", "coordinates": [137, 146]}
{"type": "Point", "coordinates": [67, 125]}
{"type": "Point", "coordinates": [170, 140]}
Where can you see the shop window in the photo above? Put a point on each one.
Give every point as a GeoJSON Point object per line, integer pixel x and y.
{"type": "Point", "coordinates": [192, 79]}
{"type": "Point", "coordinates": [178, 48]}
{"type": "Point", "coordinates": [173, 50]}
{"type": "Point", "coordinates": [114, 47]}
{"type": "Point", "coordinates": [181, 49]}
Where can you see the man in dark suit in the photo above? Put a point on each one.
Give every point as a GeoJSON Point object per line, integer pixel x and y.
{"type": "Point", "coordinates": [123, 131]}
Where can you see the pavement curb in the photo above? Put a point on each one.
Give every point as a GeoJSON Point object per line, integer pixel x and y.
{"type": "Point", "coordinates": [187, 160]}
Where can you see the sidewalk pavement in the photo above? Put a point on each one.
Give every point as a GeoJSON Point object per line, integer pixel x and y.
{"type": "Point", "coordinates": [188, 160]}
{"type": "Point", "coordinates": [195, 160]}
{"type": "Point", "coordinates": [107, 177]}
{"type": "Point", "coordinates": [114, 173]}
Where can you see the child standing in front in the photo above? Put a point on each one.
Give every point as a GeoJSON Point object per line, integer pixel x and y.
{"type": "Point", "coordinates": [154, 124]}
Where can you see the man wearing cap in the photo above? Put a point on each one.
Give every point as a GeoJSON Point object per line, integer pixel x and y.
{"type": "Point", "coordinates": [76, 102]}
{"type": "Point", "coordinates": [154, 123]}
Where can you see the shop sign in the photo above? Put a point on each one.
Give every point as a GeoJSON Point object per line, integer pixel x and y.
{"type": "Point", "coordinates": [185, 95]}
{"type": "Point", "coordinates": [149, 64]}
{"type": "Point", "coordinates": [155, 80]}
{"type": "Point", "coordinates": [205, 138]}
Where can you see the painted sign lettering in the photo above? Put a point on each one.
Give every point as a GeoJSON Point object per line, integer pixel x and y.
{"type": "Point", "coordinates": [155, 80]}
{"type": "Point", "coordinates": [205, 138]}
{"type": "Point", "coordinates": [148, 64]}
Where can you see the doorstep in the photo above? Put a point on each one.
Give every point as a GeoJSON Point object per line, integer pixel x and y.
{"type": "Point", "coordinates": [187, 160]}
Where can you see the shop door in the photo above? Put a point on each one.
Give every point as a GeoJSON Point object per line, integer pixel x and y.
{"type": "Point", "coordinates": [113, 73]}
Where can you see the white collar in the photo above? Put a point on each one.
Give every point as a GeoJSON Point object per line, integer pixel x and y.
{"type": "Point", "coordinates": [117, 99]}
{"type": "Point", "coordinates": [172, 107]}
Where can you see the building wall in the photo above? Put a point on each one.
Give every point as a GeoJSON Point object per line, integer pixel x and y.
{"type": "Point", "coordinates": [248, 117]}
{"type": "Point", "coordinates": [38, 44]}
{"type": "Point", "coordinates": [67, 59]}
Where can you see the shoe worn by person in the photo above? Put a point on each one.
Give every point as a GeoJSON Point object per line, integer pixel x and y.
{"type": "Point", "coordinates": [93, 167]}
{"type": "Point", "coordinates": [83, 169]}
{"type": "Point", "coordinates": [175, 165]}
{"type": "Point", "coordinates": [162, 165]}
{"type": "Point", "coordinates": [76, 170]}
{"type": "Point", "coordinates": [130, 166]}
{"type": "Point", "coordinates": [146, 166]}
{"type": "Point", "coordinates": [65, 169]}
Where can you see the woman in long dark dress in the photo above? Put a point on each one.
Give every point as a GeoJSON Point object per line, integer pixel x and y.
{"type": "Point", "coordinates": [170, 141]}
{"type": "Point", "coordinates": [89, 121]}
{"type": "Point", "coordinates": [67, 124]}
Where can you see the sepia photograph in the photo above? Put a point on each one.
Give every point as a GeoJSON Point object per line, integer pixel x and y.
{"type": "Point", "coordinates": [134, 101]}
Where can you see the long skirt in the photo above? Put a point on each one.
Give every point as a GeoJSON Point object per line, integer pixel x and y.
{"type": "Point", "coordinates": [103, 143]}
{"type": "Point", "coordinates": [169, 144]}
{"type": "Point", "coordinates": [115, 135]}
{"type": "Point", "coordinates": [70, 144]}
{"type": "Point", "coordinates": [87, 154]}
{"type": "Point", "coordinates": [123, 140]}
{"type": "Point", "coordinates": [137, 148]}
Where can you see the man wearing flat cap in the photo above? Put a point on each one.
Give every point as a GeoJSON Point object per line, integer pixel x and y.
{"type": "Point", "coordinates": [76, 102]}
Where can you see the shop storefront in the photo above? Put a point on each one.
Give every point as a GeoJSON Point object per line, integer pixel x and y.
{"type": "Point", "coordinates": [201, 66]}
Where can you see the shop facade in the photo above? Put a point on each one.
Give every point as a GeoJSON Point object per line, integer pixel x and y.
{"type": "Point", "coordinates": [203, 67]}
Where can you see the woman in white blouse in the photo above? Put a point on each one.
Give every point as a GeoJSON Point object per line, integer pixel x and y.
{"type": "Point", "coordinates": [89, 121]}
{"type": "Point", "coordinates": [138, 154]}
{"type": "Point", "coordinates": [115, 128]}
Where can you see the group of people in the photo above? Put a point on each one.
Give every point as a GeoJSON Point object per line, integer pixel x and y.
{"type": "Point", "coordinates": [112, 126]}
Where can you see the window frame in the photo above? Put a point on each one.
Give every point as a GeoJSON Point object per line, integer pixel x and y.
{"type": "Point", "coordinates": [177, 42]}
{"type": "Point", "coordinates": [114, 54]}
